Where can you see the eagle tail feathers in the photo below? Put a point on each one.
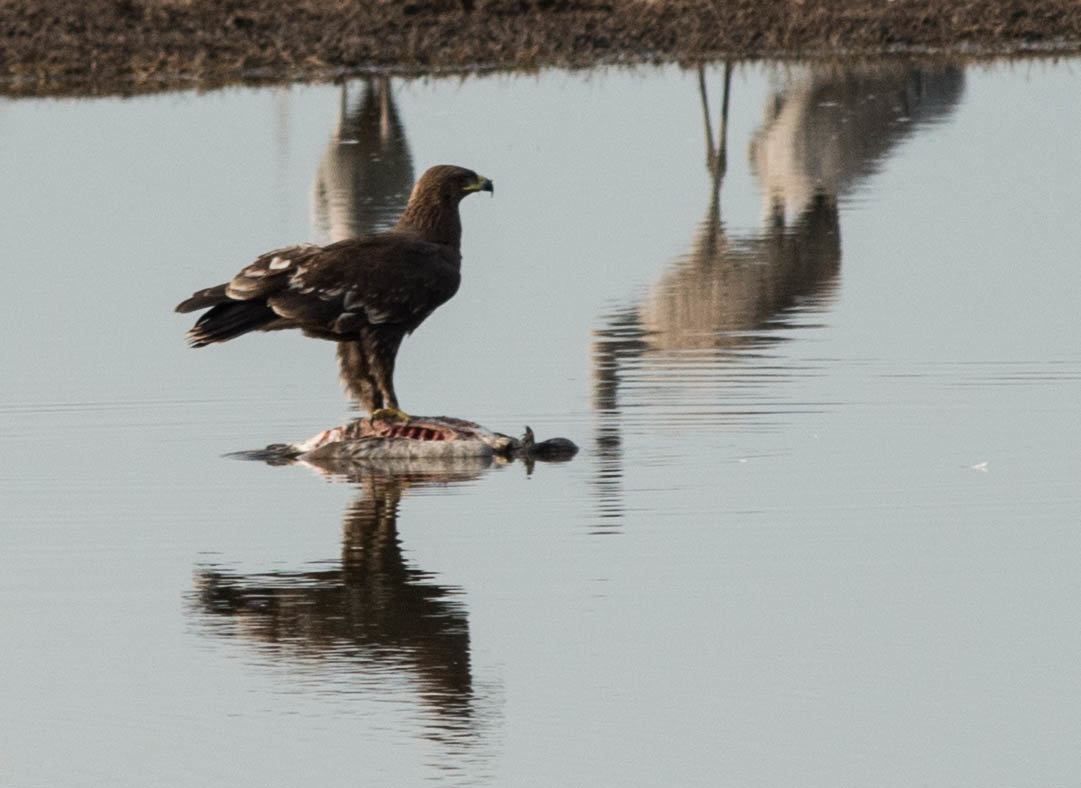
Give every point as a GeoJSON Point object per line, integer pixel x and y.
{"type": "Point", "coordinates": [229, 320]}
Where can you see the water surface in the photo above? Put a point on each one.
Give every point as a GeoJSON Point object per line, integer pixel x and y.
{"type": "Point", "coordinates": [814, 328]}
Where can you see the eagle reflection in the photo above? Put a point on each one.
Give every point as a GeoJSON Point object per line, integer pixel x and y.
{"type": "Point", "coordinates": [369, 616]}
{"type": "Point", "coordinates": [824, 129]}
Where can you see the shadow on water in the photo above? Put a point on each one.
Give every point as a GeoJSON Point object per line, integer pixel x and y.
{"type": "Point", "coordinates": [368, 619]}
{"type": "Point", "coordinates": [699, 341]}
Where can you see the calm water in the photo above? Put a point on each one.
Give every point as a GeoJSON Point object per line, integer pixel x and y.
{"type": "Point", "coordinates": [817, 336]}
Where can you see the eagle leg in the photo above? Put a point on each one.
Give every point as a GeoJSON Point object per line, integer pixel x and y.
{"type": "Point", "coordinates": [382, 346]}
{"type": "Point", "coordinates": [390, 414]}
{"type": "Point", "coordinates": [357, 378]}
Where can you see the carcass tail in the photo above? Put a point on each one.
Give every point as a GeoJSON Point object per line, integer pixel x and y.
{"type": "Point", "coordinates": [211, 296]}
{"type": "Point", "coordinates": [229, 320]}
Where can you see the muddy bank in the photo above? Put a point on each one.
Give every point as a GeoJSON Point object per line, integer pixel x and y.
{"type": "Point", "coordinates": [67, 46]}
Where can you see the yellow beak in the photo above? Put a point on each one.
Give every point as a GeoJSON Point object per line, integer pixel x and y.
{"type": "Point", "coordinates": [482, 185]}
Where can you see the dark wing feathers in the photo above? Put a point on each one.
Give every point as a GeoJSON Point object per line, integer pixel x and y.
{"type": "Point", "coordinates": [391, 278]}
{"type": "Point", "coordinates": [271, 271]}
{"type": "Point", "coordinates": [204, 298]}
{"type": "Point", "coordinates": [267, 274]}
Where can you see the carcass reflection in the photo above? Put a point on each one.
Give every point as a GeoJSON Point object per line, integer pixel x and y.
{"type": "Point", "coordinates": [367, 619]}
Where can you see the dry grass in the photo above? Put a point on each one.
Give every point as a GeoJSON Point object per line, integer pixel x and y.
{"type": "Point", "coordinates": [80, 45]}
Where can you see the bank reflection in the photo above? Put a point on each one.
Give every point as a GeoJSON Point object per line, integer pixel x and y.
{"type": "Point", "coordinates": [369, 618]}
{"type": "Point", "coordinates": [698, 342]}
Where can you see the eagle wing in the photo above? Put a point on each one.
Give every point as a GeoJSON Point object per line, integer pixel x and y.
{"type": "Point", "coordinates": [393, 280]}
{"type": "Point", "coordinates": [271, 271]}
{"type": "Point", "coordinates": [267, 274]}
{"type": "Point", "coordinates": [385, 279]}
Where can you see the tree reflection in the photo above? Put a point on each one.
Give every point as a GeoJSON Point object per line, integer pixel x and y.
{"type": "Point", "coordinates": [366, 174]}
{"type": "Point", "coordinates": [362, 186]}
{"type": "Point", "coordinates": [824, 129]}
{"type": "Point", "coordinates": [368, 617]}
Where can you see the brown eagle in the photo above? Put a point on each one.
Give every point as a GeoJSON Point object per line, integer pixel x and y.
{"type": "Point", "coordinates": [365, 293]}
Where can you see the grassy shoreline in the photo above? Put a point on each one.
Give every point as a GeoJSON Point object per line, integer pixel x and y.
{"type": "Point", "coordinates": [122, 46]}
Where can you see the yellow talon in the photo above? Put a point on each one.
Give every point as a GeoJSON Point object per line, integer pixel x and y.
{"type": "Point", "coordinates": [390, 414]}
